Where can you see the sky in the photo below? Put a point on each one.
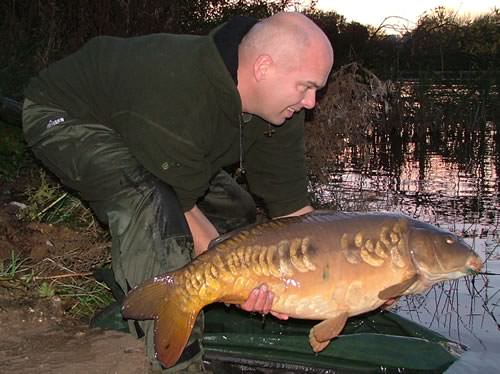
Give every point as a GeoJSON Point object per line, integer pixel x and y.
{"type": "Point", "coordinates": [373, 12]}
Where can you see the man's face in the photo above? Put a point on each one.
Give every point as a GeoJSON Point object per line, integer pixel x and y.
{"type": "Point", "coordinates": [287, 90]}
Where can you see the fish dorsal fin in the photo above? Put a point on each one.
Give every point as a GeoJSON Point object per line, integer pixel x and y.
{"type": "Point", "coordinates": [215, 242]}
{"type": "Point", "coordinates": [321, 334]}
{"type": "Point", "coordinates": [397, 290]}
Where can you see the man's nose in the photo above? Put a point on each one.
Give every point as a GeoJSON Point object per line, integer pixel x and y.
{"type": "Point", "coordinates": [309, 100]}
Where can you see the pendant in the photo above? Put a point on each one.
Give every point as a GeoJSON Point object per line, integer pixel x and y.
{"type": "Point", "coordinates": [240, 175]}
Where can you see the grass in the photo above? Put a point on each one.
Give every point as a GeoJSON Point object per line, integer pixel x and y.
{"type": "Point", "coordinates": [80, 292]}
{"type": "Point", "coordinates": [86, 296]}
{"type": "Point", "coordinates": [13, 268]}
{"type": "Point", "coordinates": [48, 202]}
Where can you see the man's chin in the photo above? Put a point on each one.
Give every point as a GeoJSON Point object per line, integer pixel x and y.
{"type": "Point", "coordinates": [278, 121]}
{"type": "Point", "coordinates": [275, 121]}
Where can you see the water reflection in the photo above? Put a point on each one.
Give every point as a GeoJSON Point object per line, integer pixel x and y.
{"type": "Point", "coordinates": [447, 175]}
{"type": "Point", "coordinates": [440, 180]}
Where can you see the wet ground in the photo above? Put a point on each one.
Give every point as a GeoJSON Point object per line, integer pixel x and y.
{"type": "Point", "coordinates": [36, 338]}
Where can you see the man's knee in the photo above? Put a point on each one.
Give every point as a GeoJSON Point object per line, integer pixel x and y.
{"type": "Point", "coordinates": [149, 232]}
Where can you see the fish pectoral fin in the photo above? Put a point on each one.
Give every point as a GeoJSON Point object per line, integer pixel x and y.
{"type": "Point", "coordinates": [321, 334]}
{"type": "Point", "coordinates": [330, 328]}
{"type": "Point", "coordinates": [172, 331]}
{"type": "Point", "coordinates": [397, 290]}
{"type": "Point", "coordinates": [316, 345]}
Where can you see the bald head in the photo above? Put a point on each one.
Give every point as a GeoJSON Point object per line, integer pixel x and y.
{"type": "Point", "coordinates": [283, 61]}
{"type": "Point", "coordinates": [285, 36]}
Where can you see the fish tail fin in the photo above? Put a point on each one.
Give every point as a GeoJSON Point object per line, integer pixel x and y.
{"type": "Point", "coordinates": [172, 331]}
{"type": "Point", "coordinates": [174, 318]}
{"type": "Point", "coordinates": [146, 300]}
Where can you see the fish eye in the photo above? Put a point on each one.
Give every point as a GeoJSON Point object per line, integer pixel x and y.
{"type": "Point", "coordinates": [450, 240]}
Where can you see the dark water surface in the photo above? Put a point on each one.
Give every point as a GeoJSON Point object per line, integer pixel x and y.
{"type": "Point", "coordinates": [449, 177]}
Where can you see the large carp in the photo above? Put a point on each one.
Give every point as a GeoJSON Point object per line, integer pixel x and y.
{"type": "Point", "coordinates": [324, 265]}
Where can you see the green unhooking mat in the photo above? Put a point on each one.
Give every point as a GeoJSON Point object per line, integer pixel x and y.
{"type": "Point", "coordinates": [236, 341]}
{"type": "Point", "coordinates": [240, 342]}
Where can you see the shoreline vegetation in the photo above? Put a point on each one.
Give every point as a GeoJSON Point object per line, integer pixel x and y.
{"type": "Point", "coordinates": [442, 42]}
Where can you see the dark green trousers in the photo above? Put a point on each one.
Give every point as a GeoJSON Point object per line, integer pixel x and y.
{"type": "Point", "coordinates": [149, 233]}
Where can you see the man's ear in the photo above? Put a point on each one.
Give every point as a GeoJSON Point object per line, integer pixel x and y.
{"type": "Point", "coordinates": [262, 66]}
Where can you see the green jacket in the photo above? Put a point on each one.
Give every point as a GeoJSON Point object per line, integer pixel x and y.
{"type": "Point", "coordinates": [177, 108]}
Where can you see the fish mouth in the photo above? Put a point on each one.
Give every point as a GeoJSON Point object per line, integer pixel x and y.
{"type": "Point", "coordinates": [474, 265]}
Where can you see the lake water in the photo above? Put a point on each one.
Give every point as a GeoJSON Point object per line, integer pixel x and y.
{"type": "Point", "coordinates": [456, 186]}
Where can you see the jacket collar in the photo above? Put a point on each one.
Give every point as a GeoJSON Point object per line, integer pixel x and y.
{"type": "Point", "coordinates": [228, 38]}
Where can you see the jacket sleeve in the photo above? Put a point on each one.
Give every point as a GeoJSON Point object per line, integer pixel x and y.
{"type": "Point", "coordinates": [276, 167]}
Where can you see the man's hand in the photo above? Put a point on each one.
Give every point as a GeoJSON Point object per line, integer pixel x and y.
{"type": "Point", "coordinates": [261, 301]}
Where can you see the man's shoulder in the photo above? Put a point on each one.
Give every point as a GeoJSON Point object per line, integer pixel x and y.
{"type": "Point", "coordinates": [159, 44]}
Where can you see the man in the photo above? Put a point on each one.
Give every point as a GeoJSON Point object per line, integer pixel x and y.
{"type": "Point", "coordinates": [142, 127]}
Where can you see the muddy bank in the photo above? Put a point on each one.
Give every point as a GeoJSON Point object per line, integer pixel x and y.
{"type": "Point", "coordinates": [39, 334]}
{"type": "Point", "coordinates": [35, 339]}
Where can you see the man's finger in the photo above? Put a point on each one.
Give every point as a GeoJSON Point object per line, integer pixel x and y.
{"type": "Point", "coordinates": [280, 315]}
{"type": "Point", "coordinates": [249, 304]}
{"type": "Point", "coordinates": [268, 303]}
{"type": "Point", "coordinates": [260, 302]}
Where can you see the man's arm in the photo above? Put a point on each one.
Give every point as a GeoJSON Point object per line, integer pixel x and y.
{"type": "Point", "coordinates": [202, 230]}
{"type": "Point", "coordinates": [301, 211]}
